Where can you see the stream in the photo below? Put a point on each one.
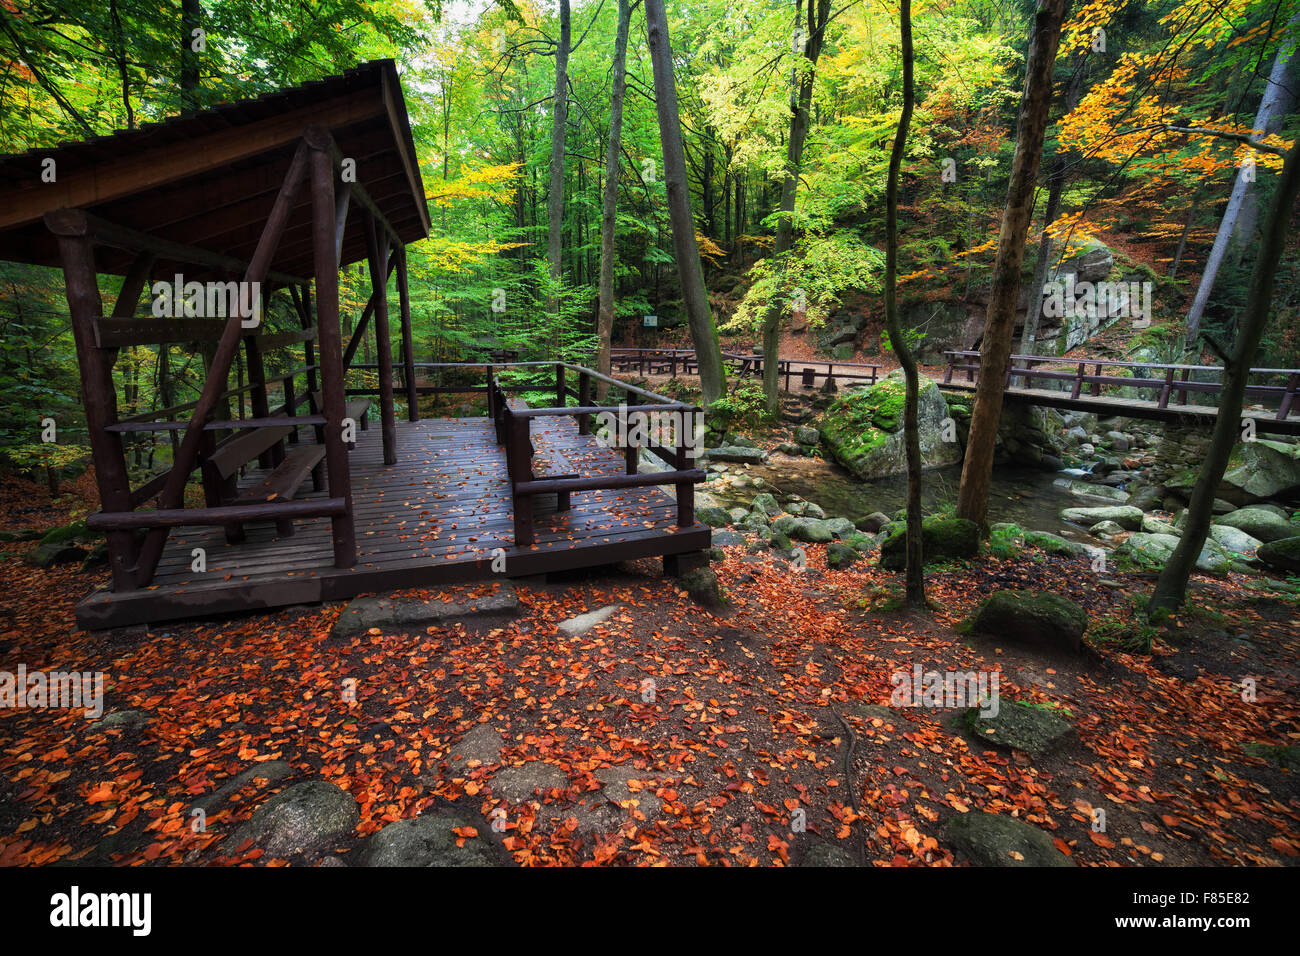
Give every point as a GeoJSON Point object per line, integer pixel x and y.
{"type": "Point", "coordinates": [1026, 496]}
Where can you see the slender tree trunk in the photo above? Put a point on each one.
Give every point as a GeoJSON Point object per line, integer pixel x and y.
{"type": "Point", "coordinates": [191, 16]}
{"type": "Point", "coordinates": [685, 248]}
{"type": "Point", "coordinates": [911, 426]}
{"type": "Point", "coordinates": [609, 203]}
{"type": "Point", "coordinates": [1035, 305]}
{"type": "Point", "coordinates": [1171, 587]}
{"type": "Point", "coordinates": [555, 197]}
{"type": "Point", "coordinates": [813, 32]}
{"type": "Point", "coordinates": [1271, 105]}
{"type": "Point", "coordinates": [1000, 321]}
{"type": "Point", "coordinates": [1187, 228]}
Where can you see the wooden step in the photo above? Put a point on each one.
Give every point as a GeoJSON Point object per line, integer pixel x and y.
{"type": "Point", "coordinates": [282, 483]}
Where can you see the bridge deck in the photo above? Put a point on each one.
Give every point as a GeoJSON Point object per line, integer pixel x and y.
{"type": "Point", "coordinates": [1266, 420]}
{"type": "Point", "coordinates": [433, 518]}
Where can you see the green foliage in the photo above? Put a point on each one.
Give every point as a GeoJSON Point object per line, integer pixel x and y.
{"type": "Point", "coordinates": [742, 407]}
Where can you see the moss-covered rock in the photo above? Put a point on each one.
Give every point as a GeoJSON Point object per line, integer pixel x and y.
{"type": "Point", "coordinates": [942, 539]}
{"type": "Point", "coordinates": [1126, 516]}
{"type": "Point", "coordinates": [863, 429]}
{"type": "Point", "coordinates": [840, 556]}
{"type": "Point", "coordinates": [712, 516]}
{"type": "Point", "coordinates": [702, 585]}
{"type": "Point", "coordinates": [1032, 617]}
{"type": "Point", "coordinates": [1283, 554]}
{"type": "Point", "coordinates": [993, 839]}
{"type": "Point", "coordinates": [69, 532]}
{"type": "Point", "coordinates": [1259, 522]}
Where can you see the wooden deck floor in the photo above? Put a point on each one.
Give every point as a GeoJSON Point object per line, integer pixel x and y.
{"type": "Point", "coordinates": [1266, 420]}
{"type": "Point", "coordinates": [436, 517]}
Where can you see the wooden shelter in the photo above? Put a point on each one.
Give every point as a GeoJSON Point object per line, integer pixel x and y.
{"type": "Point", "coordinates": [270, 195]}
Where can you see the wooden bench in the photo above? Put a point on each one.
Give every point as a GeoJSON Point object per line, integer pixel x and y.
{"type": "Point", "coordinates": [220, 471]}
{"type": "Point", "coordinates": [547, 460]}
{"type": "Point", "coordinates": [357, 409]}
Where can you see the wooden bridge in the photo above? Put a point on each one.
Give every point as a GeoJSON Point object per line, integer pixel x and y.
{"type": "Point", "coordinates": [1095, 385]}
{"type": "Point", "coordinates": [1090, 385]}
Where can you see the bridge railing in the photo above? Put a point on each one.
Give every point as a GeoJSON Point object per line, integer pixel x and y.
{"type": "Point", "coordinates": [1168, 382]}
{"type": "Point", "coordinates": [651, 361]}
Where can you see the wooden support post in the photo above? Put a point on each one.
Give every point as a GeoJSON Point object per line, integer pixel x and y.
{"type": "Point", "coordinates": [1096, 386]}
{"type": "Point", "coordinates": [1182, 392]}
{"type": "Point", "coordinates": [1168, 387]}
{"type": "Point", "coordinates": [261, 404]}
{"type": "Point", "coordinates": [519, 454]}
{"type": "Point", "coordinates": [330, 340]}
{"type": "Point", "coordinates": [377, 245]}
{"type": "Point", "coordinates": [408, 351]}
{"type": "Point", "coordinates": [631, 451]}
{"type": "Point", "coordinates": [561, 399]}
{"type": "Point", "coordinates": [363, 323]}
{"type": "Point", "coordinates": [685, 461]}
{"type": "Point", "coordinates": [99, 396]}
{"type": "Point", "coordinates": [1288, 397]}
{"type": "Point", "coordinates": [584, 400]}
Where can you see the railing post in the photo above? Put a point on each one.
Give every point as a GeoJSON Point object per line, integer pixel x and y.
{"type": "Point", "coordinates": [947, 372]}
{"type": "Point", "coordinates": [1096, 386]}
{"type": "Point", "coordinates": [584, 399]}
{"type": "Point", "coordinates": [686, 460]}
{"type": "Point", "coordinates": [630, 451]}
{"type": "Point", "coordinates": [519, 466]}
{"type": "Point", "coordinates": [561, 400]}
{"type": "Point", "coordinates": [290, 409]}
{"type": "Point", "coordinates": [1168, 387]}
{"type": "Point", "coordinates": [1288, 398]}
{"type": "Point", "coordinates": [1182, 392]}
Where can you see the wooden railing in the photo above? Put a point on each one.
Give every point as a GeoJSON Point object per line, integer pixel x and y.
{"type": "Point", "coordinates": [671, 362]}
{"type": "Point", "coordinates": [1169, 383]}
{"type": "Point", "coordinates": [575, 382]}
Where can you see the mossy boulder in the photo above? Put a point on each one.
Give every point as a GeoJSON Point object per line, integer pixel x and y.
{"type": "Point", "coordinates": [712, 516]}
{"type": "Point", "coordinates": [702, 585]}
{"type": "Point", "coordinates": [942, 539]}
{"type": "Point", "coordinates": [994, 839]}
{"type": "Point", "coordinates": [765, 504]}
{"type": "Point", "coordinates": [1261, 469]}
{"type": "Point", "coordinates": [1020, 726]}
{"type": "Point", "coordinates": [75, 531]}
{"type": "Point", "coordinates": [840, 556]}
{"type": "Point", "coordinates": [1126, 516]}
{"type": "Point", "coordinates": [1262, 523]}
{"type": "Point", "coordinates": [1282, 555]}
{"type": "Point", "coordinates": [863, 429]}
{"type": "Point", "coordinates": [1034, 618]}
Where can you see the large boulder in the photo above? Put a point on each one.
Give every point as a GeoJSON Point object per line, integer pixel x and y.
{"type": "Point", "coordinates": [1126, 516]}
{"type": "Point", "coordinates": [301, 820]}
{"type": "Point", "coordinates": [994, 839]}
{"type": "Point", "coordinates": [1261, 469]}
{"type": "Point", "coordinates": [1032, 617]}
{"type": "Point", "coordinates": [942, 539]}
{"type": "Point", "coordinates": [811, 530]}
{"type": "Point", "coordinates": [1234, 539]}
{"type": "Point", "coordinates": [426, 841]}
{"type": "Point", "coordinates": [1152, 551]}
{"type": "Point", "coordinates": [1258, 522]}
{"type": "Point", "coordinates": [1019, 726]}
{"type": "Point", "coordinates": [863, 429]}
{"type": "Point", "coordinates": [1086, 489]}
{"type": "Point", "coordinates": [1282, 554]}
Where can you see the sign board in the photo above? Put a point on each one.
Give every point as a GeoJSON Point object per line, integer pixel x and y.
{"type": "Point", "coordinates": [650, 321]}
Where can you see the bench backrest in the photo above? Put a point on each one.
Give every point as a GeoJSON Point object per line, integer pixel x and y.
{"type": "Point", "coordinates": [243, 447]}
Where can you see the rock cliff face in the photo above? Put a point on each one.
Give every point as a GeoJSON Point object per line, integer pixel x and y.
{"type": "Point", "coordinates": [863, 429]}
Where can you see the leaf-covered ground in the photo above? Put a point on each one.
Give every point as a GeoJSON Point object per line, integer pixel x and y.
{"type": "Point", "coordinates": [759, 710]}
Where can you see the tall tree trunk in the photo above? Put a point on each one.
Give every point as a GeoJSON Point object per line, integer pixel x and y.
{"type": "Point", "coordinates": [800, 117]}
{"type": "Point", "coordinates": [915, 578]}
{"type": "Point", "coordinates": [1000, 320]}
{"type": "Point", "coordinates": [1171, 587]}
{"type": "Point", "coordinates": [609, 202]}
{"type": "Point", "coordinates": [685, 248]}
{"type": "Point", "coordinates": [555, 197]}
{"type": "Point", "coordinates": [1034, 310]}
{"type": "Point", "coordinates": [191, 17]}
{"type": "Point", "coordinates": [1272, 105]}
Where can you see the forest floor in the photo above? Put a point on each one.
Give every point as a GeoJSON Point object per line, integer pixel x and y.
{"type": "Point", "coordinates": [772, 707]}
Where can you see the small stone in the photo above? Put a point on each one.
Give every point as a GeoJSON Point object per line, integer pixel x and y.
{"type": "Point", "coordinates": [306, 817]}
{"type": "Point", "coordinates": [994, 839]}
{"type": "Point", "coordinates": [583, 623]}
{"type": "Point", "coordinates": [532, 780]}
{"type": "Point", "coordinates": [426, 840]}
